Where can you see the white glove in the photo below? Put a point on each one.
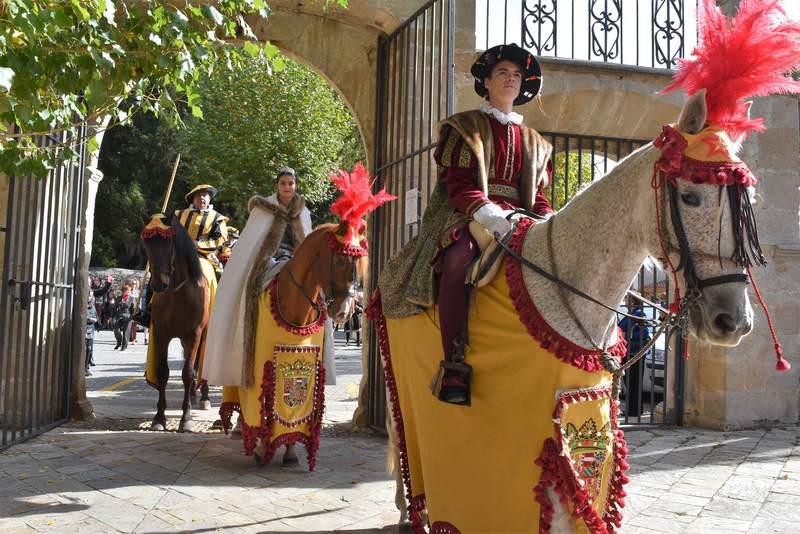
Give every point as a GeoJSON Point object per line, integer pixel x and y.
{"type": "Point", "coordinates": [493, 218]}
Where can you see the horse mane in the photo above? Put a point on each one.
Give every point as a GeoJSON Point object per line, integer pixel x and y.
{"type": "Point", "coordinates": [186, 249]}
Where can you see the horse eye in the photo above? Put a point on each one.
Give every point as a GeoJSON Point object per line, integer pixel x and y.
{"type": "Point", "coordinates": [691, 199]}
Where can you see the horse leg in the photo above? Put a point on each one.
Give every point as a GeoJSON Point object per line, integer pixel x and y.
{"type": "Point", "coordinates": [188, 376]}
{"type": "Point", "coordinates": [205, 401]}
{"type": "Point", "coordinates": [160, 420]}
{"type": "Point", "coordinates": [290, 457]}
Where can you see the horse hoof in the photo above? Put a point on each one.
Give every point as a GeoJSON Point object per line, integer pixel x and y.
{"type": "Point", "coordinates": [217, 424]}
{"type": "Point", "coordinates": [404, 526]}
{"type": "Point", "coordinates": [158, 426]}
{"type": "Point", "coordinates": [186, 426]}
{"type": "Point", "coordinates": [290, 462]}
{"type": "Point", "coordinates": [205, 405]}
{"type": "Point", "coordinates": [258, 459]}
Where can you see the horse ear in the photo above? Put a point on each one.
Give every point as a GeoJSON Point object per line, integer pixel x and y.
{"type": "Point", "coordinates": [342, 228]}
{"type": "Point", "coordinates": [694, 114]}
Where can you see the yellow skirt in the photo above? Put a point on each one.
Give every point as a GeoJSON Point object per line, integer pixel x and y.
{"type": "Point", "coordinates": [542, 423]}
{"type": "Point", "coordinates": [287, 401]}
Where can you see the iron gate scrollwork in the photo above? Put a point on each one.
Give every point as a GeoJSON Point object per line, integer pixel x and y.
{"type": "Point", "coordinates": [539, 18]}
{"type": "Point", "coordinates": [37, 300]}
{"type": "Point", "coordinates": [668, 31]}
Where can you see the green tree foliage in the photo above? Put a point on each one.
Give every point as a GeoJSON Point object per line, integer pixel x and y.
{"type": "Point", "coordinates": [232, 148]}
{"type": "Point", "coordinates": [66, 62]}
{"type": "Point", "coordinates": [255, 123]}
{"type": "Point", "coordinates": [571, 174]}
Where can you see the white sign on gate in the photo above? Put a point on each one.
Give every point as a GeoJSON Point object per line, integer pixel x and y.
{"type": "Point", "coordinates": [412, 206]}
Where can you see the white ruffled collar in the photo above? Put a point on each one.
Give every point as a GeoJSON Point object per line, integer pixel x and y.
{"type": "Point", "coordinates": [502, 118]}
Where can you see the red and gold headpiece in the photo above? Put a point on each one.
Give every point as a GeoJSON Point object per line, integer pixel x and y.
{"type": "Point", "coordinates": [157, 227]}
{"type": "Point", "coordinates": [356, 201]}
{"type": "Point", "coordinates": [745, 56]}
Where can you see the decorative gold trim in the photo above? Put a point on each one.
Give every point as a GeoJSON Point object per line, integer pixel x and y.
{"type": "Point", "coordinates": [447, 153]}
{"type": "Point", "coordinates": [504, 191]}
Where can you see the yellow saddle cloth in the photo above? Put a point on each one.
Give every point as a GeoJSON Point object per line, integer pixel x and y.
{"type": "Point", "coordinates": [541, 428]}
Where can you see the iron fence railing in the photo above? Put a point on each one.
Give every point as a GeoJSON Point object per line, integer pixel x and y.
{"type": "Point", "coordinates": [644, 33]}
{"type": "Point", "coordinates": [37, 300]}
{"type": "Point", "coordinates": [415, 92]}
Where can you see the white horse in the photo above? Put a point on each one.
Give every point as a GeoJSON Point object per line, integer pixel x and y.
{"type": "Point", "coordinates": [472, 468]}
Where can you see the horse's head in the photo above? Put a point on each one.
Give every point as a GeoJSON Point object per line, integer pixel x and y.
{"type": "Point", "coordinates": [341, 266]}
{"type": "Point", "coordinates": [164, 241]}
{"type": "Point", "coordinates": [706, 223]}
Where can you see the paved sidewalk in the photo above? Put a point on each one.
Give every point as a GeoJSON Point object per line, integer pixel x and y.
{"type": "Point", "coordinates": [113, 476]}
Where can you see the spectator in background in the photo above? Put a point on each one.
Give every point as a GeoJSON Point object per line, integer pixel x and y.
{"type": "Point", "coordinates": [91, 320]}
{"type": "Point", "coordinates": [637, 336]}
{"type": "Point", "coordinates": [353, 325]}
{"type": "Point", "coordinates": [100, 290]}
{"type": "Point", "coordinates": [122, 318]}
{"type": "Point", "coordinates": [109, 308]}
{"type": "Point", "coordinates": [134, 285]}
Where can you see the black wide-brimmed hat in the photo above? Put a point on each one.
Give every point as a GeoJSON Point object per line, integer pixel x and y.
{"type": "Point", "coordinates": [531, 71]}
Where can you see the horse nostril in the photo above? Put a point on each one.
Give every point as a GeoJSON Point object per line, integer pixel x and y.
{"type": "Point", "coordinates": [725, 323]}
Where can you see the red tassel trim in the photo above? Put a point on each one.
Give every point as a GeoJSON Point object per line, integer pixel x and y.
{"type": "Point", "coordinates": [226, 410]}
{"type": "Point", "coordinates": [166, 233]}
{"type": "Point", "coordinates": [674, 164]}
{"type": "Point", "coordinates": [416, 504]}
{"type": "Point", "coordinates": [781, 365]}
{"type": "Point", "coordinates": [302, 331]}
{"type": "Point", "coordinates": [548, 338]}
{"type": "Point", "coordinates": [558, 474]}
{"type": "Point", "coordinates": [269, 416]}
{"type": "Point", "coordinates": [346, 249]}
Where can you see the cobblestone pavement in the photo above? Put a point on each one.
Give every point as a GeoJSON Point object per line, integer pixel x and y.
{"type": "Point", "coordinates": [112, 476]}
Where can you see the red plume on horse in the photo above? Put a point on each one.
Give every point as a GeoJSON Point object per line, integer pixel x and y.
{"type": "Point", "coordinates": [746, 56]}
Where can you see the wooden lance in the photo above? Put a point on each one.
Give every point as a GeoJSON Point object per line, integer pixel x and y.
{"type": "Point", "coordinates": [163, 210]}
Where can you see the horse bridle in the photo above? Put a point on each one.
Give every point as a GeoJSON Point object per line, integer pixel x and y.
{"type": "Point", "coordinates": [329, 296]}
{"type": "Point", "coordinates": [686, 262]}
{"type": "Point", "coordinates": [172, 257]}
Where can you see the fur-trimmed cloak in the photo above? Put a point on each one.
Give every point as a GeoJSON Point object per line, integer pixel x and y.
{"type": "Point", "coordinates": [407, 281]}
{"type": "Point", "coordinates": [231, 330]}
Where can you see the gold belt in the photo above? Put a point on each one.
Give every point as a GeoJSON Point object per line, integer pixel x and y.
{"type": "Point", "coordinates": [506, 191]}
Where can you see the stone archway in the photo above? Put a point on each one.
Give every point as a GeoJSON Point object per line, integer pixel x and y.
{"type": "Point", "coordinates": [340, 44]}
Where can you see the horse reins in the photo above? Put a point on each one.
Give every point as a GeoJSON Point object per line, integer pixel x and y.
{"type": "Point", "coordinates": [678, 319]}
{"type": "Point", "coordinates": [328, 296]}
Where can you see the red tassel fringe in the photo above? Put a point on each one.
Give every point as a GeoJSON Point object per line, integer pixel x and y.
{"type": "Point", "coordinates": [166, 233]}
{"type": "Point", "coordinates": [251, 435]}
{"type": "Point", "coordinates": [347, 249]}
{"type": "Point", "coordinates": [559, 475]}
{"type": "Point", "coordinates": [226, 410]}
{"type": "Point", "coordinates": [548, 338]}
{"type": "Point", "coordinates": [416, 504]}
{"type": "Point", "coordinates": [302, 331]}
{"type": "Point", "coordinates": [781, 365]}
{"type": "Point", "coordinates": [674, 164]}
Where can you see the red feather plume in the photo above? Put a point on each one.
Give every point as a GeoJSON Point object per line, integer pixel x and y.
{"type": "Point", "coordinates": [746, 56]}
{"type": "Point", "coordinates": [357, 198]}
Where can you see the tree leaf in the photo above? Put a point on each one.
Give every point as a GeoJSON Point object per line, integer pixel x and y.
{"type": "Point", "coordinates": [252, 49]}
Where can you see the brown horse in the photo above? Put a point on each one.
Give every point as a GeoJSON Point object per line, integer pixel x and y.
{"type": "Point", "coordinates": [180, 309]}
{"type": "Point", "coordinates": [321, 278]}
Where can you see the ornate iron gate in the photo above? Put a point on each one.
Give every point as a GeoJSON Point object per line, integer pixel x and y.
{"type": "Point", "coordinates": [37, 301]}
{"type": "Point", "coordinates": [415, 92]}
